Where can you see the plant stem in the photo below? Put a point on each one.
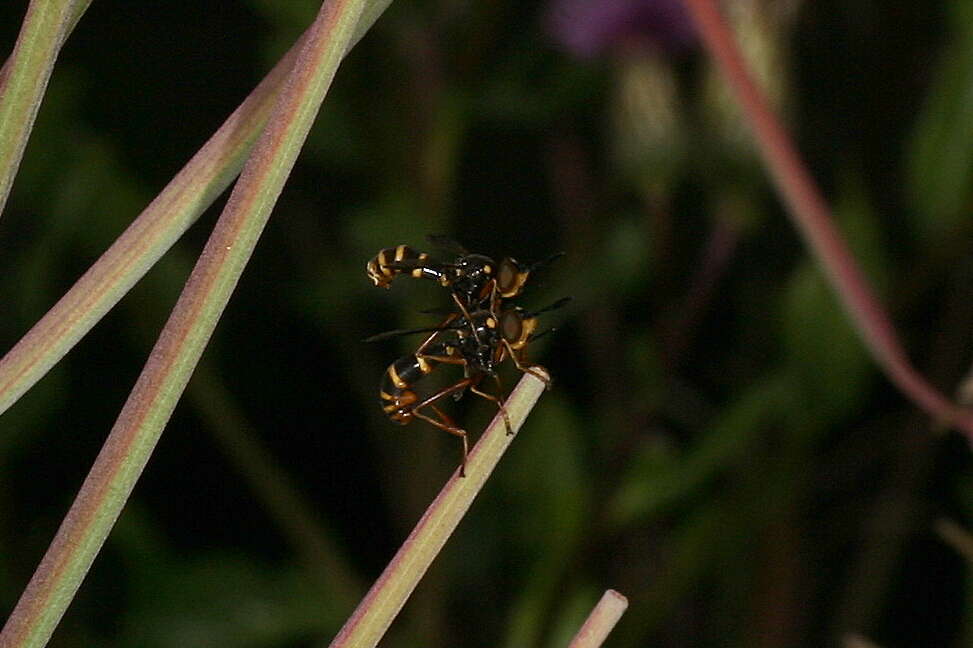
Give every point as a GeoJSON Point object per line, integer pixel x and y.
{"type": "Point", "coordinates": [150, 235]}
{"type": "Point", "coordinates": [601, 621]}
{"type": "Point", "coordinates": [813, 219]}
{"type": "Point", "coordinates": [149, 406]}
{"type": "Point", "coordinates": [368, 624]}
{"type": "Point", "coordinates": [24, 78]}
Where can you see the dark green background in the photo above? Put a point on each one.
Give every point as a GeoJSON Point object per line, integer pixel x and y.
{"type": "Point", "coordinates": [731, 460]}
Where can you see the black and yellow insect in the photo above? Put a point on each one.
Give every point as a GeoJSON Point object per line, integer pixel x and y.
{"type": "Point", "coordinates": [391, 262]}
{"type": "Point", "coordinates": [478, 336]}
{"type": "Point", "coordinates": [471, 278]}
{"type": "Point", "coordinates": [479, 344]}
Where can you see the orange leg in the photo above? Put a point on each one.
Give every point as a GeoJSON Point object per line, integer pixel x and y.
{"type": "Point", "coordinates": [496, 399]}
{"type": "Point", "coordinates": [425, 344]}
{"type": "Point", "coordinates": [445, 423]}
{"type": "Point", "coordinates": [521, 363]}
{"type": "Point", "coordinates": [462, 308]}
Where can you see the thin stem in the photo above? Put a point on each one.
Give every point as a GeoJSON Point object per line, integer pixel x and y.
{"type": "Point", "coordinates": [149, 236]}
{"type": "Point", "coordinates": [601, 621]}
{"type": "Point", "coordinates": [149, 406]}
{"type": "Point", "coordinates": [156, 229]}
{"type": "Point", "coordinates": [389, 593]}
{"type": "Point", "coordinates": [813, 219]}
{"type": "Point", "coordinates": [24, 78]}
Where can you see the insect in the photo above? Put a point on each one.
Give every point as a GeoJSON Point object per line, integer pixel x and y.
{"type": "Point", "coordinates": [391, 262]}
{"type": "Point", "coordinates": [479, 343]}
{"type": "Point", "coordinates": [478, 337]}
{"type": "Point", "coordinates": [471, 278]}
{"type": "Point", "coordinates": [453, 342]}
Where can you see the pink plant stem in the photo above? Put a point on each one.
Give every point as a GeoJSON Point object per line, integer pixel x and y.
{"type": "Point", "coordinates": [4, 71]}
{"type": "Point", "coordinates": [601, 621]}
{"type": "Point", "coordinates": [813, 218]}
{"type": "Point", "coordinates": [204, 298]}
{"type": "Point", "coordinates": [373, 616]}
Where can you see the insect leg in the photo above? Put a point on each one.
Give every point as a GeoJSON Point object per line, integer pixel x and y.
{"type": "Point", "coordinates": [462, 308]}
{"type": "Point", "coordinates": [496, 399]}
{"type": "Point", "coordinates": [521, 363]}
{"type": "Point", "coordinates": [445, 423]}
{"type": "Point", "coordinates": [425, 344]}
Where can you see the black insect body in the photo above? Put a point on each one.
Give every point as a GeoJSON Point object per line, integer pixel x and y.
{"type": "Point", "coordinates": [471, 278]}
{"type": "Point", "coordinates": [479, 336]}
{"type": "Point", "coordinates": [471, 343]}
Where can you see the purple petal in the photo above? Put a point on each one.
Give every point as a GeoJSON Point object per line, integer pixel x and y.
{"type": "Point", "coordinates": [588, 28]}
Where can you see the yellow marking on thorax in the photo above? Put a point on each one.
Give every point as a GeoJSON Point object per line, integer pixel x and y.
{"type": "Point", "coordinates": [424, 365]}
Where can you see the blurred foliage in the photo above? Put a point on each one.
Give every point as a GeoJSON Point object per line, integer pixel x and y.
{"type": "Point", "coordinates": [941, 163]}
{"type": "Point", "coordinates": [719, 447]}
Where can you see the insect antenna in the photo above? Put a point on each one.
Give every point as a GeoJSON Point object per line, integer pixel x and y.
{"type": "Point", "coordinates": [534, 336]}
{"type": "Point", "coordinates": [558, 304]}
{"type": "Point", "coordinates": [436, 310]}
{"type": "Point", "coordinates": [543, 262]}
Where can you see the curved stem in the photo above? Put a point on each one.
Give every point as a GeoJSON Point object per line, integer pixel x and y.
{"type": "Point", "coordinates": [813, 218]}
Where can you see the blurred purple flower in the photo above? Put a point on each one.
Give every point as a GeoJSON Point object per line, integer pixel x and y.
{"type": "Point", "coordinates": [587, 28]}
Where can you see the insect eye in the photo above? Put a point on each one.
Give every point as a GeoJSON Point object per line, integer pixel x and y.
{"type": "Point", "coordinates": [511, 326]}
{"type": "Point", "coordinates": [507, 276]}
{"type": "Point", "coordinates": [511, 277]}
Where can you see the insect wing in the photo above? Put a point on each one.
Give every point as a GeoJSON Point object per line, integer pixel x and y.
{"type": "Point", "coordinates": [388, 335]}
{"type": "Point", "coordinates": [446, 243]}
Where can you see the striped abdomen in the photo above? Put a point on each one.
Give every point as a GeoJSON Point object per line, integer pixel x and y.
{"type": "Point", "coordinates": [396, 394]}
{"type": "Point", "coordinates": [401, 259]}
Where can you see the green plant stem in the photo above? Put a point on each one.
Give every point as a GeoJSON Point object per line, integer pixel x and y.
{"type": "Point", "coordinates": [380, 606]}
{"type": "Point", "coordinates": [25, 75]}
{"type": "Point", "coordinates": [181, 342]}
{"type": "Point", "coordinates": [150, 235]}
{"type": "Point", "coordinates": [274, 490]}
{"type": "Point", "coordinates": [169, 215]}
{"type": "Point", "coordinates": [814, 221]}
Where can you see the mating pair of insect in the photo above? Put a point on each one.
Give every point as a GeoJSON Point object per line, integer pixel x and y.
{"type": "Point", "coordinates": [479, 335]}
